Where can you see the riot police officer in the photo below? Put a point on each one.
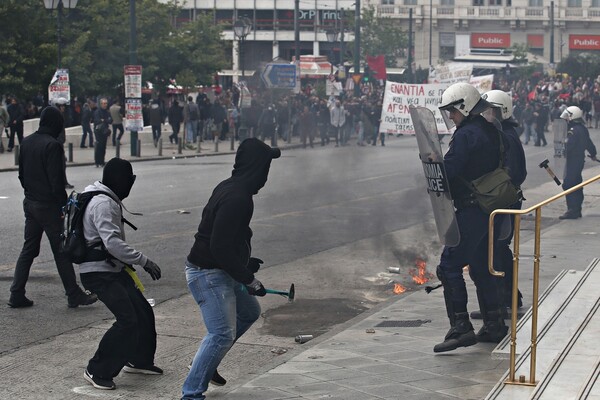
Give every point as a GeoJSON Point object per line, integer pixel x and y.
{"type": "Point", "coordinates": [577, 142]}
{"type": "Point", "coordinates": [502, 111]}
{"type": "Point", "coordinates": [474, 150]}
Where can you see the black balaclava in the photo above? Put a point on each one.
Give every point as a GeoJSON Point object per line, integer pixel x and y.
{"type": "Point", "coordinates": [118, 176]}
{"type": "Point", "coordinates": [252, 162]}
{"type": "Point", "coordinates": [51, 121]}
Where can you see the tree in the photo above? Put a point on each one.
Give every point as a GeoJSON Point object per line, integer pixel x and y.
{"type": "Point", "coordinates": [380, 35]}
{"type": "Point", "coordinates": [96, 46]}
{"type": "Point", "coordinates": [581, 65]}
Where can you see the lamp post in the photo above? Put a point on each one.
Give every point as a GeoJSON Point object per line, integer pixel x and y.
{"type": "Point", "coordinates": [331, 38]}
{"type": "Point", "coordinates": [241, 29]}
{"type": "Point", "coordinates": [59, 5]}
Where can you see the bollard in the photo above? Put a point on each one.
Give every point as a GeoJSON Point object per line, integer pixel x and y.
{"type": "Point", "coordinates": [198, 143]}
{"type": "Point", "coordinates": [274, 139]}
{"type": "Point", "coordinates": [139, 148]}
{"type": "Point", "coordinates": [70, 147]}
{"type": "Point", "coordinates": [16, 151]}
{"type": "Point", "coordinates": [160, 147]}
{"type": "Point", "coordinates": [216, 144]}
{"type": "Point", "coordinates": [118, 149]}
{"type": "Point", "coordinates": [179, 146]}
{"type": "Point", "coordinates": [232, 142]}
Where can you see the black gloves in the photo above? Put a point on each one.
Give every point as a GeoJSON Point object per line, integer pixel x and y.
{"type": "Point", "coordinates": [254, 264]}
{"type": "Point", "coordinates": [256, 288]}
{"type": "Point", "coordinates": [153, 269]}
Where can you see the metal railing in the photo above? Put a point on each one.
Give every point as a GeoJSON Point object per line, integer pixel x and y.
{"type": "Point", "coordinates": [536, 275]}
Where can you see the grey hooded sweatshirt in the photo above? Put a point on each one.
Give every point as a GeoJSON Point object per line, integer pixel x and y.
{"type": "Point", "coordinates": [102, 221]}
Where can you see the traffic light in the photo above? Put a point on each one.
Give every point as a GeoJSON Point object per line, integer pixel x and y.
{"type": "Point", "coordinates": [367, 74]}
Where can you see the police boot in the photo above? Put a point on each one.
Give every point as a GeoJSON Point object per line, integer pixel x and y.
{"type": "Point", "coordinates": [493, 329]}
{"type": "Point", "coordinates": [461, 334]}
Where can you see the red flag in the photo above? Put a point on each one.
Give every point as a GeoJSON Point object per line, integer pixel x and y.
{"type": "Point", "coordinates": [377, 65]}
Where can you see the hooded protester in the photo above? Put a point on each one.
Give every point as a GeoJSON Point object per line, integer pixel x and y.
{"type": "Point", "coordinates": [219, 269]}
{"type": "Point", "coordinates": [41, 163]}
{"type": "Point", "coordinates": [130, 343]}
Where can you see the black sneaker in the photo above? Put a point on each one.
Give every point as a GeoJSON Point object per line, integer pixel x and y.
{"type": "Point", "coordinates": [69, 186]}
{"type": "Point", "coordinates": [82, 299]}
{"type": "Point", "coordinates": [216, 379]}
{"type": "Point", "coordinates": [19, 302]}
{"type": "Point", "coordinates": [150, 370]}
{"type": "Point", "coordinates": [99, 383]}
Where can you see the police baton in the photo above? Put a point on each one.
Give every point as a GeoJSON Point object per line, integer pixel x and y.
{"type": "Point", "coordinates": [593, 158]}
{"type": "Point", "coordinates": [544, 164]}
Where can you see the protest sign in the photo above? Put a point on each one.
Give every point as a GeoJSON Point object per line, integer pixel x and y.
{"type": "Point", "coordinates": [482, 83]}
{"type": "Point", "coordinates": [395, 114]}
{"type": "Point", "coordinates": [59, 90]}
{"type": "Point", "coordinates": [451, 73]}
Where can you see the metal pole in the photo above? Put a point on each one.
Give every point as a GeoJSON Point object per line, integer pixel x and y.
{"type": "Point", "coordinates": [551, 32]}
{"type": "Point", "coordinates": [357, 45]}
{"type": "Point", "coordinates": [410, 34]}
{"type": "Point", "coordinates": [118, 149]}
{"type": "Point", "coordinates": [59, 32]}
{"type": "Point", "coordinates": [133, 61]}
{"type": "Point", "coordinates": [16, 154]}
{"type": "Point", "coordinates": [430, 29]}
{"type": "Point", "coordinates": [70, 151]}
{"type": "Point", "coordinates": [160, 147]}
{"type": "Point", "coordinates": [342, 39]}
{"type": "Point", "coordinates": [296, 30]}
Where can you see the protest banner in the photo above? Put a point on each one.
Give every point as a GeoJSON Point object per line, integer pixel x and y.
{"type": "Point", "coordinates": [395, 114]}
{"type": "Point", "coordinates": [134, 121]}
{"type": "Point", "coordinates": [451, 73]}
{"type": "Point", "coordinates": [59, 90]}
{"type": "Point", "coordinates": [482, 83]}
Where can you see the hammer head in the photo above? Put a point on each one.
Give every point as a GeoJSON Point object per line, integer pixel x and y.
{"type": "Point", "coordinates": [544, 164]}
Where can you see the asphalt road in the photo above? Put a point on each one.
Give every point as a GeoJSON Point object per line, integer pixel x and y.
{"type": "Point", "coordinates": [315, 200]}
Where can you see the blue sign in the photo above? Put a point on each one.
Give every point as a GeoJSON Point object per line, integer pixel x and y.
{"type": "Point", "coordinates": [279, 76]}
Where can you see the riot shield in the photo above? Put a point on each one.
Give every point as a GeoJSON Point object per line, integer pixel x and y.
{"type": "Point", "coordinates": [430, 153]}
{"type": "Point", "coordinates": [559, 128]}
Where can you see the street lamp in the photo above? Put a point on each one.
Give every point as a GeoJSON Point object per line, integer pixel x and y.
{"type": "Point", "coordinates": [241, 29]}
{"type": "Point", "coordinates": [331, 38]}
{"type": "Point", "coordinates": [59, 5]}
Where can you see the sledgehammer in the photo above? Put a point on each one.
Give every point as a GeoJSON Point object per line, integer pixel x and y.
{"type": "Point", "coordinates": [290, 294]}
{"type": "Point", "coordinates": [544, 164]}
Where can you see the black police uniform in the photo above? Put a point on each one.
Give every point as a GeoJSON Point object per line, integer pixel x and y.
{"type": "Point", "coordinates": [577, 142]}
{"type": "Point", "coordinates": [474, 151]}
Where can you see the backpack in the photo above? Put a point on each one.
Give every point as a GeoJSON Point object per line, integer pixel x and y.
{"type": "Point", "coordinates": [72, 239]}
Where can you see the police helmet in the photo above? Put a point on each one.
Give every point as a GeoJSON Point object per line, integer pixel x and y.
{"type": "Point", "coordinates": [500, 99]}
{"type": "Point", "coordinates": [572, 113]}
{"type": "Point", "coordinates": [465, 98]}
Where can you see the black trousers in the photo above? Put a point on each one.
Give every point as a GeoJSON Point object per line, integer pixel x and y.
{"type": "Point", "coordinates": [100, 148]}
{"type": "Point", "coordinates": [132, 338]}
{"type": "Point", "coordinates": [117, 127]}
{"type": "Point", "coordinates": [573, 177]}
{"type": "Point", "coordinates": [40, 218]}
{"type": "Point", "coordinates": [18, 130]}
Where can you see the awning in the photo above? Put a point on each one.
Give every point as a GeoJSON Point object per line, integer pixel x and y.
{"type": "Point", "coordinates": [236, 72]}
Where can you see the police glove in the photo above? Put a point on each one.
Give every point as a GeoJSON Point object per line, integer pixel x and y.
{"type": "Point", "coordinates": [152, 269]}
{"type": "Point", "coordinates": [256, 288]}
{"type": "Point", "coordinates": [254, 264]}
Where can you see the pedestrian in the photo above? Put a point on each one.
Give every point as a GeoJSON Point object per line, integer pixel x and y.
{"type": "Point", "coordinates": [41, 161]}
{"type": "Point", "coordinates": [4, 119]}
{"type": "Point", "coordinates": [267, 122]}
{"type": "Point", "coordinates": [191, 114]}
{"type": "Point", "coordinates": [577, 142]}
{"type": "Point", "coordinates": [102, 121]}
{"type": "Point", "coordinates": [338, 120]}
{"type": "Point", "coordinates": [473, 152]}
{"type": "Point", "coordinates": [219, 268]}
{"type": "Point", "coordinates": [116, 113]}
{"type": "Point", "coordinates": [516, 164]}
{"type": "Point", "coordinates": [156, 120]}
{"type": "Point", "coordinates": [86, 127]}
{"type": "Point", "coordinates": [175, 117]}
{"type": "Point", "coordinates": [528, 123]}
{"type": "Point", "coordinates": [130, 343]}
{"type": "Point", "coordinates": [16, 115]}
{"type": "Point", "coordinates": [541, 119]}
{"type": "Point", "coordinates": [218, 114]}
{"type": "Point", "coordinates": [307, 125]}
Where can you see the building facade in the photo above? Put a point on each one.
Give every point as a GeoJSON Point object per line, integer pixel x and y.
{"type": "Point", "coordinates": [442, 29]}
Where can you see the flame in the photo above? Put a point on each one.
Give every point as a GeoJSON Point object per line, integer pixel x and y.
{"type": "Point", "coordinates": [398, 288]}
{"type": "Point", "coordinates": [420, 275]}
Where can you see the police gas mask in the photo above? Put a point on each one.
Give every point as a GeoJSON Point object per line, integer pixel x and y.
{"type": "Point", "coordinates": [118, 176]}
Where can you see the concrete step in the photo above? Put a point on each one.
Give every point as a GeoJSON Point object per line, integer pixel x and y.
{"type": "Point", "coordinates": [558, 331]}
{"type": "Point", "coordinates": [576, 366]}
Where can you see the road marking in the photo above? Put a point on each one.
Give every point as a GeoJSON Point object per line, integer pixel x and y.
{"type": "Point", "coordinates": [3, 197]}
{"type": "Point", "coordinates": [372, 178]}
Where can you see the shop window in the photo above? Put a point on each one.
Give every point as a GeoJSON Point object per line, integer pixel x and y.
{"type": "Point", "coordinates": [387, 2]}
{"type": "Point", "coordinates": [410, 2]}
{"type": "Point", "coordinates": [574, 3]}
{"type": "Point", "coordinates": [494, 3]}
{"type": "Point", "coordinates": [477, 2]}
{"type": "Point", "coordinates": [450, 2]}
{"type": "Point", "coordinates": [595, 3]}
{"type": "Point", "coordinates": [536, 3]}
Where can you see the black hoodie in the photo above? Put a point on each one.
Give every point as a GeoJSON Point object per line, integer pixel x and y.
{"type": "Point", "coordinates": [41, 161]}
{"type": "Point", "coordinates": [223, 237]}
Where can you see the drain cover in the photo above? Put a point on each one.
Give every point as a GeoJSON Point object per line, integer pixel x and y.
{"type": "Point", "coordinates": [411, 323]}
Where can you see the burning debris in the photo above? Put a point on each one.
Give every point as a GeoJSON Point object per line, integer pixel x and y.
{"type": "Point", "coordinates": [398, 288]}
{"type": "Point", "coordinates": [419, 275]}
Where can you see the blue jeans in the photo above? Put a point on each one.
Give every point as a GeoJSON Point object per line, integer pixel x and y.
{"type": "Point", "coordinates": [191, 131]}
{"type": "Point", "coordinates": [228, 312]}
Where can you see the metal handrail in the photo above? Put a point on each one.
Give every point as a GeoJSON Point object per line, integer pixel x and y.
{"type": "Point", "coordinates": [536, 275]}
